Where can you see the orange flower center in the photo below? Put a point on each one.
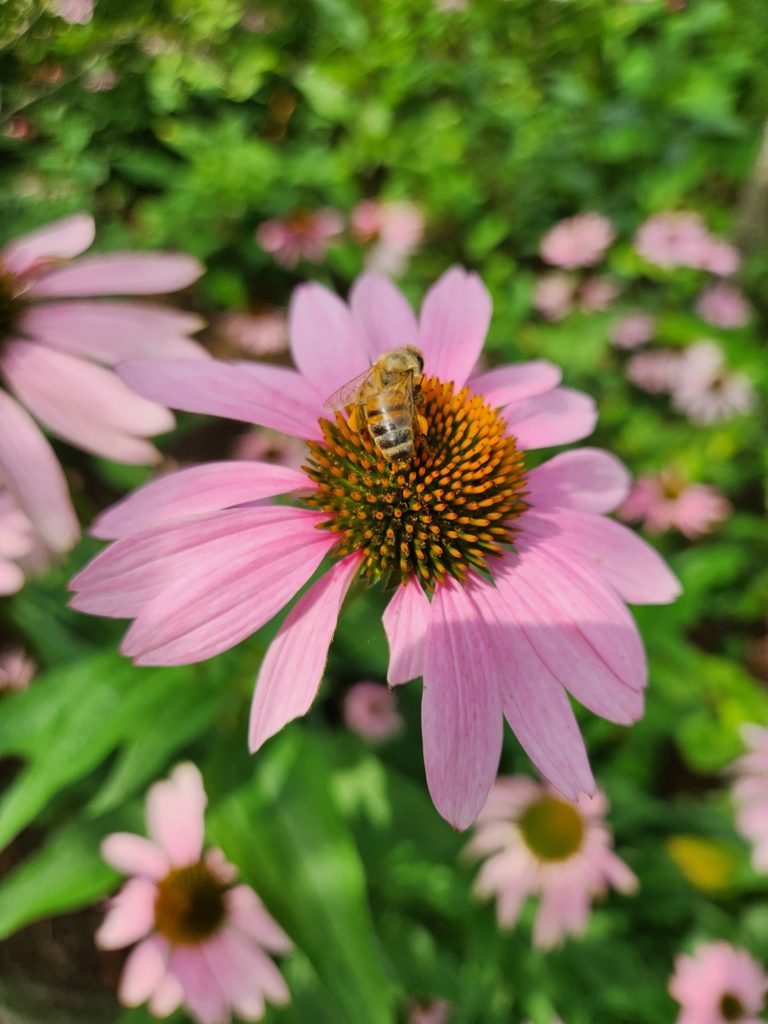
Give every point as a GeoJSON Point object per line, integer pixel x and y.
{"type": "Point", "coordinates": [189, 905]}
{"type": "Point", "coordinates": [552, 828]}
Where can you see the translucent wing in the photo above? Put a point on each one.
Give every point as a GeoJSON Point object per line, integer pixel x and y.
{"type": "Point", "coordinates": [348, 393]}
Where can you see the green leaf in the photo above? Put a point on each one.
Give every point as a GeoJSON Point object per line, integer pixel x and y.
{"type": "Point", "coordinates": [286, 835]}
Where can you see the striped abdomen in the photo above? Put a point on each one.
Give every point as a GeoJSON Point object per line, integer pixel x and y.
{"type": "Point", "coordinates": [391, 426]}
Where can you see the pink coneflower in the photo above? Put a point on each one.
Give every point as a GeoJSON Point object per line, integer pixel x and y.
{"type": "Point", "coordinates": [262, 445]}
{"type": "Point", "coordinates": [305, 235]}
{"type": "Point", "coordinates": [370, 710]}
{"type": "Point", "coordinates": [656, 372]}
{"type": "Point", "coordinates": [54, 335]}
{"type": "Point", "coordinates": [633, 330]}
{"type": "Point", "coordinates": [750, 793]}
{"type": "Point", "coordinates": [429, 1011]}
{"type": "Point", "coordinates": [718, 984]}
{"type": "Point", "coordinates": [396, 228]}
{"type": "Point", "coordinates": [538, 844]}
{"type": "Point", "coordinates": [262, 334]}
{"type": "Point", "coordinates": [201, 938]}
{"type": "Point", "coordinates": [720, 258]}
{"type": "Point", "coordinates": [578, 241]}
{"type": "Point", "coordinates": [75, 12]}
{"type": "Point", "coordinates": [666, 501]}
{"type": "Point", "coordinates": [200, 566]}
{"type": "Point", "coordinates": [554, 296]}
{"type": "Point", "coordinates": [597, 294]}
{"type": "Point", "coordinates": [723, 305]}
{"type": "Point", "coordinates": [16, 669]}
{"type": "Point", "coordinates": [681, 239]}
{"type": "Point", "coordinates": [705, 390]}
{"type": "Point", "coordinates": [17, 543]}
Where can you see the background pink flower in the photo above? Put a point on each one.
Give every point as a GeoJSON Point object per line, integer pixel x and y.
{"type": "Point", "coordinates": [578, 241]}
{"type": "Point", "coordinates": [633, 330]}
{"type": "Point", "coordinates": [750, 793]}
{"type": "Point", "coordinates": [437, 1011]}
{"type": "Point", "coordinates": [259, 444]}
{"type": "Point", "coordinates": [59, 338]}
{"type": "Point", "coordinates": [16, 669]}
{"type": "Point", "coordinates": [681, 239]}
{"type": "Point", "coordinates": [17, 543]}
{"type": "Point", "coordinates": [597, 294]}
{"type": "Point", "coordinates": [656, 372]}
{"type": "Point", "coordinates": [706, 390]}
{"type": "Point", "coordinates": [395, 227]}
{"type": "Point", "coordinates": [718, 984]}
{"type": "Point", "coordinates": [554, 295]}
{"type": "Point", "coordinates": [305, 235]}
{"type": "Point", "coordinates": [370, 710]}
{"type": "Point", "coordinates": [262, 334]}
{"type": "Point", "coordinates": [202, 940]}
{"type": "Point", "coordinates": [534, 843]}
{"type": "Point", "coordinates": [76, 12]}
{"type": "Point", "coordinates": [666, 501]}
{"type": "Point", "coordinates": [723, 305]}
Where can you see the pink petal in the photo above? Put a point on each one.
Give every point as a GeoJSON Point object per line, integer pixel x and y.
{"type": "Point", "coordinates": [134, 855]}
{"type": "Point", "coordinates": [293, 666]}
{"type": "Point", "coordinates": [405, 623]}
{"type": "Point", "coordinates": [11, 578]}
{"type": "Point", "coordinates": [534, 701]}
{"type": "Point", "coordinates": [328, 346]}
{"type": "Point", "coordinates": [229, 594]}
{"type": "Point", "coordinates": [383, 313]}
{"type": "Point", "coordinates": [31, 470]}
{"type": "Point", "coordinates": [634, 569]}
{"type": "Point", "coordinates": [513, 383]}
{"type": "Point", "coordinates": [269, 396]}
{"type": "Point", "coordinates": [246, 912]}
{"type": "Point", "coordinates": [84, 403]}
{"type": "Point", "coordinates": [110, 331]}
{"type": "Point", "coordinates": [461, 718]}
{"type": "Point", "coordinates": [58, 241]}
{"type": "Point", "coordinates": [143, 971]}
{"type": "Point", "coordinates": [175, 811]}
{"type": "Point", "coordinates": [244, 971]}
{"type": "Point", "coordinates": [558, 417]}
{"type": "Point", "coordinates": [199, 489]}
{"type": "Point", "coordinates": [120, 274]}
{"type": "Point", "coordinates": [167, 997]}
{"type": "Point", "coordinates": [454, 322]}
{"type": "Point", "coordinates": [130, 917]}
{"type": "Point", "coordinates": [588, 479]}
{"type": "Point", "coordinates": [203, 995]}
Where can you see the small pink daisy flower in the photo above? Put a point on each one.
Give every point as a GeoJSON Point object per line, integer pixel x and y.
{"type": "Point", "coordinates": [681, 239]}
{"type": "Point", "coordinates": [665, 501]}
{"type": "Point", "coordinates": [263, 334]}
{"type": "Point", "coordinates": [305, 235]}
{"type": "Point", "coordinates": [705, 390]}
{"type": "Point", "coordinates": [57, 346]}
{"type": "Point", "coordinates": [723, 305]}
{"type": "Point", "coordinates": [750, 793]}
{"type": "Point", "coordinates": [554, 296]}
{"type": "Point", "coordinates": [719, 984]}
{"type": "Point", "coordinates": [260, 444]}
{"type": "Point", "coordinates": [578, 241]}
{"type": "Point", "coordinates": [538, 844]}
{"type": "Point", "coordinates": [16, 669]}
{"type": "Point", "coordinates": [370, 710]}
{"type": "Point", "coordinates": [437, 1011]}
{"type": "Point", "coordinates": [633, 330]}
{"type": "Point", "coordinates": [200, 560]}
{"type": "Point", "coordinates": [656, 372]}
{"type": "Point", "coordinates": [201, 938]}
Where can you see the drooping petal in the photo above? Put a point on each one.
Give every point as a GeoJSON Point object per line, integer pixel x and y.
{"type": "Point", "coordinates": [167, 997]}
{"type": "Point", "coordinates": [508, 384]}
{"type": "Point", "coordinates": [269, 396]}
{"type": "Point", "coordinates": [454, 322]}
{"type": "Point", "coordinates": [405, 623]}
{"type": "Point", "coordinates": [120, 274]}
{"type": "Point", "coordinates": [110, 331]}
{"type": "Point", "coordinates": [558, 417]}
{"type": "Point", "coordinates": [134, 855]}
{"type": "Point", "coordinates": [293, 666]}
{"type": "Point", "coordinates": [246, 912]}
{"type": "Point", "coordinates": [130, 917]}
{"type": "Point", "coordinates": [383, 313]}
{"type": "Point", "coordinates": [175, 808]}
{"type": "Point", "coordinates": [461, 716]}
{"type": "Point", "coordinates": [31, 470]}
{"type": "Point", "coordinates": [244, 971]}
{"type": "Point", "coordinates": [202, 993]}
{"type": "Point", "coordinates": [84, 403]}
{"type": "Point", "coordinates": [634, 569]}
{"type": "Point", "coordinates": [534, 701]}
{"type": "Point", "coordinates": [143, 971]}
{"type": "Point", "coordinates": [58, 241]}
{"type": "Point", "coordinates": [199, 489]}
{"type": "Point", "coordinates": [11, 578]}
{"type": "Point", "coordinates": [588, 479]}
{"type": "Point", "coordinates": [328, 346]}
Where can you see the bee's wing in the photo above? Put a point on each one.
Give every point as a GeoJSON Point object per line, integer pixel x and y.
{"type": "Point", "coordinates": [348, 393]}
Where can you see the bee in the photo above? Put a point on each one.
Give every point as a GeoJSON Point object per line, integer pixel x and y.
{"type": "Point", "coordinates": [385, 397]}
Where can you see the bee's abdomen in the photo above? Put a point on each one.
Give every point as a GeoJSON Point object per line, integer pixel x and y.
{"type": "Point", "coordinates": [392, 435]}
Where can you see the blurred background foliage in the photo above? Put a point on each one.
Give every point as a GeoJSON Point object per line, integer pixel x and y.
{"type": "Point", "coordinates": [186, 125]}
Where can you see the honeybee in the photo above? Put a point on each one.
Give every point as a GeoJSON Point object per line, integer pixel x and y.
{"type": "Point", "coordinates": [385, 398]}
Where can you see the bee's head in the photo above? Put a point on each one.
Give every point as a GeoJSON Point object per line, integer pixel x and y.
{"type": "Point", "coordinates": [418, 358]}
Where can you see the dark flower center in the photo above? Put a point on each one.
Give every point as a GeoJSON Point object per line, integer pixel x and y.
{"type": "Point", "coordinates": [189, 905]}
{"type": "Point", "coordinates": [450, 505]}
{"type": "Point", "coordinates": [552, 828]}
{"type": "Point", "coordinates": [731, 1007]}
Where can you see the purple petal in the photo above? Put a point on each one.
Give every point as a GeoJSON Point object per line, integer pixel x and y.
{"type": "Point", "coordinates": [558, 417]}
{"type": "Point", "coordinates": [269, 396]}
{"type": "Point", "coordinates": [120, 274]}
{"type": "Point", "coordinates": [461, 716]}
{"type": "Point", "coordinates": [588, 479]}
{"type": "Point", "coordinates": [197, 490]}
{"type": "Point", "coordinates": [405, 623]}
{"type": "Point", "coordinates": [383, 313]}
{"type": "Point", "coordinates": [454, 322]}
{"type": "Point", "coordinates": [509, 384]}
{"type": "Point", "coordinates": [58, 241]}
{"type": "Point", "coordinates": [293, 666]}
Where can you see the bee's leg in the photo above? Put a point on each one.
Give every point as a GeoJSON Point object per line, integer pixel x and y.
{"type": "Point", "coordinates": [422, 423]}
{"type": "Point", "coordinates": [357, 419]}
